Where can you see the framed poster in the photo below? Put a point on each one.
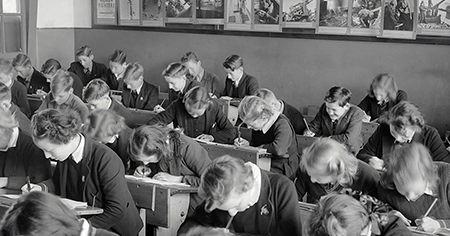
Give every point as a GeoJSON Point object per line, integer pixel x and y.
{"type": "Point", "coordinates": [365, 17]}
{"type": "Point", "coordinates": [105, 12]}
{"type": "Point", "coordinates": [332, 16]}
{"type": "Point", "coordinates": [299, 13]}
{"type": "Point", "coordinates": [210, 12]}
{"type": "Point", "coordinates": [153, 12]}
{"type": "Point", "coordinates": [266, 15]}
{"type": "Point", "coordinates": [434, 17]}
{"type": "Point", "coordinates": [399, 19]}
{"type": "Point", "coordinates": [179, 11]}
{"type": "Point", "coordinates": [238, 15]}
{"type": "Point", "coordinates": [129, 12]}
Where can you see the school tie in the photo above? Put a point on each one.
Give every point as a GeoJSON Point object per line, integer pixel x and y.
{"type": "Point", "coordinates": [87, 71]}
{"type": "Point", "coordinates": [334, 126]}
{"type": "Point", "coordinates": [134, 95]}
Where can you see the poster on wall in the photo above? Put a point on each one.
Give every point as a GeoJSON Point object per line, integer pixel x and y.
{"type": "Point", "coordinates": [210, 12]}
{"type": "Point", "coordinates": [179, 11]}
{"type": "Point", "coordinates": [266, 15]}
{"type": "Point", "coordinates": [332, 16]}
{"type": "Point", "coordinates": [129, 12]}
{"type": "Point", "coordinates": [434, 17]}
{"type": "Point", "coordinates": [399, 19]}
{"type": "Point", "coordinates": [153, 12]}
{"type": "Point", "coordinates": [238, 15]}
{"type": "Point", "coordinates": [299, 13]}
{"type": "Point", "coordinates": [365, 17]}
{"type": "Point", "coordinates": [105, 12]}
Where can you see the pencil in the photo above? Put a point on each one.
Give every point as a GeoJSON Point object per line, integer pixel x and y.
{"type": "Point", "coordinates": [431, 207]}
{"type": "Point", "coordinates": [306, 123]}
{"type": "Point", "coordinates": [229, 222]}
{"type": "Point", "coordinates": [162, 102]}
{"type": "Point", "coordinates": [28, 183]}
{"type": "Point", "coordinates": [239, 131]}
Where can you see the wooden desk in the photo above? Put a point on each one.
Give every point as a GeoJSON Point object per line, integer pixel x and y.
{"type": "Point", "coordinates": [306, 211]}
{"type": "Point", "coordinates": [141, 117]}
{"type": "Point", "coordinates": [259, 156]}
{"type": "Point", "coordinates": [304, 142]}
{"type": "Point", "coordinates": [163, 206]}
{"type": "Point", "coordinates": [35, 102]}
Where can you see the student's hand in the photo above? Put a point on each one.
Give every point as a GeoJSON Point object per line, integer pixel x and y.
{"type": "Point", "coordinates": [427, 224]}
{"type": "Point", "coordinates": [241, 142]}
{"type": "Point", "coordinates": [142, 171]}
{"type": "Point", "coordinates": [206, 137]}
{"type": "Point", "coordinates": [400, 216]}
{"type": "Point", "coordinates": [309, 133]}
{"type": "Point", "coordinates": [33, 187]}
{"type": "Point", "coordinates": [212, 95]}
{"type": "Point", "coordinates": [158, 109]}
{"type": "Point", "coordinates": [366, 118]}
{"type": "Point", "coordinates": [376, 163]}
{"type": "Point", "coordinates": [163, 176]}
{"type": "Point", "coordinates": [226, 98]}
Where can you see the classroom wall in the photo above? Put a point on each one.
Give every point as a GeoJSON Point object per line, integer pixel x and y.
{"type": "Point", "coordinates": [299, 71]}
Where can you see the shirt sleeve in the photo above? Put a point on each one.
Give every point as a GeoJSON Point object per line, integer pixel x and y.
{"type": "Point", "coordinates": [225, 132]}
{"type": "Point", "coordinates": [165, 117]}
{"type": "Point", "coordinates": [197, 160]}
{"type": "Point", "coordinates": [283, 139]}
{"type": "Point", "coordinates": [370, 148]}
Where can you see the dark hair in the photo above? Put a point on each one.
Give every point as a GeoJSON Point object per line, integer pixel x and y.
{"type": "Point", "coordinates": [50, 67]}
{"type": "Point", "coordinates": [189, 56]}
{"type": "Point", "coordinates": [197, 97]}
{"type": "Point", "coordinates": [402, 115]}
{"type": "Point", "coordinates": [62, 81]}
{"type": "Point", "coordinates": [340, 94]}
{"type": "Point", "coordinates": [175, 69]}
{"type": "Point", "coordinates": [118, 56]}
{"type": "Point", "coordinates": [152, 140]}
{"type": "Point", "coordinates": [233, 62]}
{"type": "Point", "coordinates": [386, 83]}
{"type": "Point", "coordinates": [58, 126]}
{"type": "Point", "coordinates": [101, 124]}
{"type": "Point", "coordinates": [95, 89]}
{"type": "Point", "coordinates": [40, 213]}
{"type": "Point", "coordinates": [84, 51]}
{"type": "Point", "coordinates": [21, 60]}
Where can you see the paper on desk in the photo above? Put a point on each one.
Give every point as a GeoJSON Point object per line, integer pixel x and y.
{"type": "Point", "coordinates": [72, 204]}
{"type": "Point", "coordinates": [12, 196]}
{"type": "Point", "coordinates": [154, 181]}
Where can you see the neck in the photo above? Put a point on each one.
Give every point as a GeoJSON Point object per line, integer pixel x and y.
{"type": "Point", "coordinates": [109, 102]}
{"type": "Point", "coordinates": [74, 144]}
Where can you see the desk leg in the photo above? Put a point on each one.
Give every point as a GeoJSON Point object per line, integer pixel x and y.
{"type": "Point", "coordinates": [143, 215]}
{"type": "Point", "coordinates": [178, 209]}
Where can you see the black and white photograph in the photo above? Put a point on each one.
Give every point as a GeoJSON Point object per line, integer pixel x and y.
{"type": "Point", "coordinates": [153, 12]}
{"type": "Point", "coordinates": [179, 11]}
{"type": "Point", "coordinates": [238, 15]}
{"type": "Point", "coordinates": [129, 12]}
{"type": "Point", "coordinates": [299, 13]}
{"type": "Point", "coordinates": [210, 11]}
{"type": "Point", "coordinates": [365, 17]}
{"type": "Point", "coordinates": [399, 19]}
{"type": "Point", "coordinates": [332, 16]}
{"type": "Point", "coordinates": [434, 17]}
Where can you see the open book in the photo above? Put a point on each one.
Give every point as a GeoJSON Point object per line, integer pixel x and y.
{"type": "Point", "coordinates": [72, 204]}
{"type": "Point", "coordinates": [154, 181]}
{"type": "Point", "coordinates": [439, 232]}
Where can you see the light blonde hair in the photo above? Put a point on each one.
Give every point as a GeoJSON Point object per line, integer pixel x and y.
{"type": "Point", "coordinates": [252, 108]}
{"type": "Point", "coordinates": [176, 70]}
{"type": "Point", "coordinates": [340, 162]}
{"type": "Point", "coordinates": [386, 83]}
{"type": "Point", "coordinates": [266, 94]}
{"type": "Point", "coordinates": [101, 124]}
{"type": "Point", "coordinates": [133, 72]}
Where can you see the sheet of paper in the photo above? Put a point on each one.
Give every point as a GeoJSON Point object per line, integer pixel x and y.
{"type": "Point", "coordinates": [154, 181]}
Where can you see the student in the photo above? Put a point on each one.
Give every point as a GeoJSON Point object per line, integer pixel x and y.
{"type": "Point", "coordinates": [295, 117]}
{"type": "Point", "coordinates": [238, 84]}
{"type": "Point", "coordinates": [412, 182]}
{"type": "Point", "coordinates": [33, 80]}
{"type": "Point", "coordinates": [6, 105]}
{"type": "Point", "coordinates": [85, 170]}
{"type": "Point", "coordinates": [19, 157]}
{"type": "Point", "coordinates": [199, 117]}
{"type": "Point", "coordinates": [97, 95]}
{"type": "Point", "coordinates": [326, 166]}
{"type": "Point", "coordinates": [18, 90]}
{"type": "Point", "coordinates": [109, 128]}
{"type": "Point", "coordinates": [117, 66]}
{"type": "Point", "coordinates": [247, 199]}
{"type": "Point", "coordinates": [383, 95]}
{"type": "Point", "coordinates": [339, 120]}
{"type": "Point", "coordinates": [61, 96]}
{"type": "Point", "coordinates": [340, 214]}
{"type": "Point", "coordinates": [208, 79]}
{"type": "Point", "coordinates": [49, 69]}
{"type": "Point", "coordinates": [86, 68]}
{"type": "Point", "coordinates": [270, 130]}
{"type": "Point", "coordinates": [50, 216]}
{"type": "Point", "coordinates": [402, 124]}
{"type": "Point", "coordinates": [179, 84]}
{"type": "Point", "coordinates": [137, 93]}
{"type": "Point", "coordinates": [178, 158]}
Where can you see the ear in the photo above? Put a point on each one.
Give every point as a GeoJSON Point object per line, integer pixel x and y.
{"type": "Point", "coordinates": [91, 57]}
{"type": "Point", "coordinates": [71, 90]}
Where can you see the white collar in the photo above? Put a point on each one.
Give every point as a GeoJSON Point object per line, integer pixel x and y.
{"type": "Point", "coordinates": [270, 122]}
{"type": "Point", "coordinates": [77, 155]}
{"type": "Point", "coordinates": [84, 227]}
{"type": "Point", "coordinates": [236, 83]}
{"type": "Point", "coordinates": [428, 190]}
{"type": "Point", "coordinates": [138, 90]}
{"type": "Point", "coordinates": [13, 140]}
{"type": "Point", "coordinates": [10, 83]}
{"type": "Point", "coordinates": [255, 192]}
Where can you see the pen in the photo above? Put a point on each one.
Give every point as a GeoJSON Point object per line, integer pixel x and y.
{"type": "Point", "coordinates": [93, 200]}
{"type": "Point", "coordinates": [239, 131]}
{"type": "Point", "coordinates": [307, 126]}
{"type": "Point", "coordinates": [28, 183]}
{"type": "Point", "coordinates": [229, 222]}
{"type": "Point", "coordinates": [162, 102]}
{"type": "Point", "coordinates": [428, 211]}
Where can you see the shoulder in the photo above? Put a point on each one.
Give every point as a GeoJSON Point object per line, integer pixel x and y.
{"type": "Point", "coordinates": [278, 181]}
{"type": "Point", "coordinates": [99, 152]}
{"type": "Point", "coordinates": [365, 169]}
{"type": "Point", "coordinates": [149, 86]}
{"type": "Point", "coordinates": [250, 78]}
{"type": "Point", "coordinates": [443, 169]}
{"type": "Point", "coordinates": [75, 64]}
{"type": "Point", "coordinates": [100, 65]}
{"type": "Point", "coordinates": [355, 110]}
{"type": "Point", "coordinates": [39, 75]}
{"type": "Point", "coordinates": [429, 130]}
{"type": "Point", "coordinates": [211, 75]}
{"type": "Point", "coordinates": [401, 94]}
{"type": "Point", "coordinates": [18, 86]}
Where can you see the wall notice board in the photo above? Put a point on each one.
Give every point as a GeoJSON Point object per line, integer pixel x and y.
{"type": "Point", "coordinates": [389, 19]}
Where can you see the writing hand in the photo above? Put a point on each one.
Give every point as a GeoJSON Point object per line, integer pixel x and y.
{"type": "Point", "coordinates": [241, 142]}
{"type": "Point", "coordinates": [33, 187]}
{"type": "Point", "coordinates": [158, 109]}
{"type": "Point", "coordinates": [142, 171]}
{"type": "Point", "coordinates": [309, 133]}
{"type": "Point", "coordinates": [163, 176]}
{"type": "Point", "coordinates": [206, 137]}
{"type": "Point", "coordinates": [376, 163]}
{"type": "Point", "coordinates": [427, 224]}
